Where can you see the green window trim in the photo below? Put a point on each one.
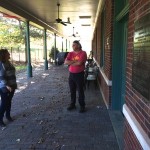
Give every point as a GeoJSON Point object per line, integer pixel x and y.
{"type": "Point", "coordinates": [121, 11]}
{"type": "Point", "coordinates": [122, 14]}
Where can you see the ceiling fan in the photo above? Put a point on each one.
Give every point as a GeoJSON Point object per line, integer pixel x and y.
{"type": "Point", "coordinates": [58, 20]}
{"type": "Point", "coordinates": [74, 35]}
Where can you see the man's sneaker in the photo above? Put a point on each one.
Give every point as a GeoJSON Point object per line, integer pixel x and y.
{"type": "Point", "coordinates": [2, 124]}
{"type": "Point", "coordinates": [71, 107]}
{"type": "Point", "coordinates": [82, 109]}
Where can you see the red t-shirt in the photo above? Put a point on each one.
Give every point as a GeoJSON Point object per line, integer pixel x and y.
{"type": "Point", "coordinates": [80, 56]}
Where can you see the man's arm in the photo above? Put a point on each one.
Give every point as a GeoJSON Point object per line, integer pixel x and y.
{"type": "Point", "coordinates": [73, 62]}
{"type": "Point", "coordinates": [69, 62]}
{"type": "Point", "coordinates": [77, 63]}
{"type": "Point", "coordinates": [81, 61]}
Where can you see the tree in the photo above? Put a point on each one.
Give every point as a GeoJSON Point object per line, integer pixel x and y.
{"type": "Point", "coordinates": [13, 31]}
{"type": "Point", "coordinates": [10, 35]}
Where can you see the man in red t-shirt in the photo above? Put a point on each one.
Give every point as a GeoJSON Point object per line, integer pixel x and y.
{"type": "Point", "coordinates": [76, 61]}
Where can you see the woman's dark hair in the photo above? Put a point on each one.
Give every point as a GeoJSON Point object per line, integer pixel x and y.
{"type": "Point", "coordinates": [3, 53]}
{"type": "Point", "coordinates": [77, 42]}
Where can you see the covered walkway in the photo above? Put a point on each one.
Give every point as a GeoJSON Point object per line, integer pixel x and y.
{"type": "Point", "coordinates": [116, 33]}
{"type": "Point", "coordinates": [43, 123]}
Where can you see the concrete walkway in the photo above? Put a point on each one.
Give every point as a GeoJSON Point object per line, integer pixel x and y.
{"type": "Point", "coordinates": [43, 123]}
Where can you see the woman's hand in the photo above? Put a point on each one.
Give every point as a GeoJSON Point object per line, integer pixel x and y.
{"type": "Point", "coordinates": [9, 88]}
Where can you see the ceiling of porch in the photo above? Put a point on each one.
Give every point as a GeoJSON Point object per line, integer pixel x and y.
{"type": "Point", "coordinates": [82, 14]}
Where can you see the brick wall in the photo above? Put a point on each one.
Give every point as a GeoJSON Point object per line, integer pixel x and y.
{"type": "Point", "coordinates": [106, 90]}
{"type": "Point", "coordinates": [98, 39]}
{"type": "Point", "coordinates": [131, 142]}
{"type": "Point", "coordinates": [108, 38]}
{"type": "Point", "coordinates": [136, 103]}
{"type": "Point", "coordinates": [94, 45]}
{"type": "Point", "coordinates": [108, 48]}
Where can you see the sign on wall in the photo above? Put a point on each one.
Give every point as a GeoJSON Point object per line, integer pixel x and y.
{"type": "Point", "coordinates": [141, 57]}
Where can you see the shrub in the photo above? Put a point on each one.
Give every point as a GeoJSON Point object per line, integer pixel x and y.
{"type": "Point", "coordinates": [51, 54]}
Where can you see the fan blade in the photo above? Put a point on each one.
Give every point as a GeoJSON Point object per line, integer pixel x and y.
{"type": "Point", "coordinates": [63, 23]}
{"type": "Point", "coordinates": [68, 22]}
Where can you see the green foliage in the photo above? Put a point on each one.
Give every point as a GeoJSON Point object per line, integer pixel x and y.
{"type": "Point", "coordinates": [36, 33]}
{"type": "Point", "coordinates": [51, 54]}
{"type": "Point", "coordinates": [10, 35]}
{"type": "Point", "coordinates": [13, 31]}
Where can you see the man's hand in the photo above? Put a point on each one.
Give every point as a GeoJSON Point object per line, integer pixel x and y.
{"type": "Point", "coordinates": [73, 62]}
{"type": "Point", "coordinates": [69, 62]}
{"type": "Point", "coordinates": [77, 63]}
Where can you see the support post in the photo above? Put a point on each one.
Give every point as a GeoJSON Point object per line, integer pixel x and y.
{"type": "Point", "coordinates": [45, 50]}
{"type": "Point", "coordinates": [54, 48]}
{"type": "Point", "coordinates": [62, 44]}
{"type": "Point", "coordinates": [69, 45]}
{"type": "Point", "coordinates": [66, 45]}
{"type": "Point", "coordinates": [29, 67]}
